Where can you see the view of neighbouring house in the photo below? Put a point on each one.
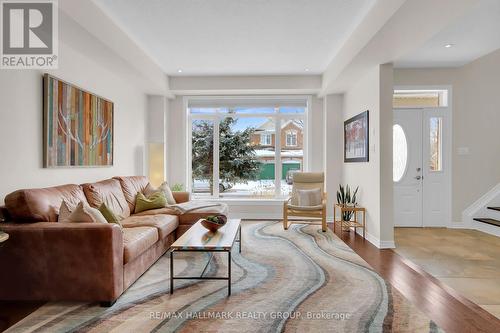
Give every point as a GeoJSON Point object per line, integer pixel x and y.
{"type": "Point", "coordinates": [291, 146]}
{"type": "Point", "coordinates": [260, 123]}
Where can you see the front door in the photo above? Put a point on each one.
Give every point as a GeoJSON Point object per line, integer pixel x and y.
{"type": "Point", "coordinates": [407, 167]}
{"type": "Point", "coordinates": [421, 174]}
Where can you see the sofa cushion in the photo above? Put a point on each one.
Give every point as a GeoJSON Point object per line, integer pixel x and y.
{"type": "Point", "coordinates": [196, 214]}
{"type": "Point", "coordinates": [110, 192]}
{"type": "Point", "coordinates": [42, 204]}
{"type": "Point", "coordinates": [131, 185]}
{"type": "Point", "coordinates": [65, 212]}
{"type": "Point", "coordinates": [165, 189]}
{"type": "Point", "coordinates": [136, 241]}
{"type": "Point", "coordinates": [166, 224]}
{"type": "Point", "coordinates": [153, 201]}
{"type": "Point", "coordinates": [83, 213]}
{"type": "Point", "coordinates": [109, 215]}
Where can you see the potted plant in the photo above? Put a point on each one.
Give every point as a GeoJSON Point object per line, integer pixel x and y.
{"type": "Point", "coordinates": [177, 188]}
{"type": "Point", "coordinates": [347, 198]}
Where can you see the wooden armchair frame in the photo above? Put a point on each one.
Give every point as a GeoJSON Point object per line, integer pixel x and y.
{"type": "Point", "coordinates": [320, 213]}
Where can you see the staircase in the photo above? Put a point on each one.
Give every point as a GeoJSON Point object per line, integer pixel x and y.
{"type": "Point", "coordinates": [484, 213]}
{"type": "Point", "coordinates": [489, 220]}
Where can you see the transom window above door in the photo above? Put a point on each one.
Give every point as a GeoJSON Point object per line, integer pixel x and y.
{"type": "Point", "coordinates": [245, 147]}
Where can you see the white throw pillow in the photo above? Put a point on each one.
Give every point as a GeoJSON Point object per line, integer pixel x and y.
{"type": "Point", "coordinates": [83, 213]}
{"type": "Point", "coordinates": [65, 212]}
{"type": "Point", "coordinates": [163, 188]}
{"type": "Point", "coordinates": [308, 198]}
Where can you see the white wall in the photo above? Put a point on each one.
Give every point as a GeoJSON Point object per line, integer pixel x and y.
{"type": "Point", "coordinates": [91, 65]}
{"type": "Point", "coordinates": [476, 115]}
{"type": "Point", "coordinates": [375, 193]}
{"type": "Point", "coordinates": [176, 142]}
{"type": "Point", "coordinates": [333, 131]}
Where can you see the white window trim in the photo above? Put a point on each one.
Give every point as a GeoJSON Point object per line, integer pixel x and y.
{"type": "Point", "coordinates": [188, 119]}
{"type": "Point", "coordinates": [293, 135]}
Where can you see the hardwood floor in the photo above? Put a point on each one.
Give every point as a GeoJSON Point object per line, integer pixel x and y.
{"type": "Point", "coordinates": [466, 260]}
{"type": "Point", "coordinates": [449, 310]}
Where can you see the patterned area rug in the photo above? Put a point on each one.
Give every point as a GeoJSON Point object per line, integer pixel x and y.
{"type": "Point", "coordinates": [299, 280]}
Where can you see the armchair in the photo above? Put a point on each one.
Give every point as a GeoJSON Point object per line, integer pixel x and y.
{"type": "Point", "coordinates": [314, 214]}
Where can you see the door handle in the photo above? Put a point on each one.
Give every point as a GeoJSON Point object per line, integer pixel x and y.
{"type": "Point", "coordinates": [418, 177]}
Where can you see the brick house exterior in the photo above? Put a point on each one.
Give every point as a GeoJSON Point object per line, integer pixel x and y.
{"type": "Point", "coordinates": [289, 128]}
{"type": "Point", "coordinates": [292, 141]}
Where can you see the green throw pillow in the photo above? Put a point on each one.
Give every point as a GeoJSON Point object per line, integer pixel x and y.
{"type": "Point", "coordinates": [154, 201]}
{"type": "Point", "coordinates": [109, 215]}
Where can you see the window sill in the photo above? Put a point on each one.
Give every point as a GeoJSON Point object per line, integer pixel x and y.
{"type": "Point", "coordinates": [245, 201]}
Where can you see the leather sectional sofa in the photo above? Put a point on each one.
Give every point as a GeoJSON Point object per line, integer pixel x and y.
{"type": "Point", "coordinates": [49, 261]}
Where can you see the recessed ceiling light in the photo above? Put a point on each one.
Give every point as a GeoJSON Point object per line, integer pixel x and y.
{"type": "Point", "coordinates": [448, 45]}
{"type": "Point", "coordinates": [179, 71]}
{"type": "Point", "coordinates": [307, 69]}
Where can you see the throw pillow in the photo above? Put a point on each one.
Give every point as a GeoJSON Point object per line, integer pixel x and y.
{"type": "Point", "coordinates": [64, 212]}
{"type": "Point", "coordinates": [83, 213]}
{"type": "Point", "coordinates": [154, 201]}
{"type": "Point", "coordinates": [109, 215]}
{"type": "Point", "coordinates": [163, 188]}
{"type": "Point", "coordinates": [308, 198]}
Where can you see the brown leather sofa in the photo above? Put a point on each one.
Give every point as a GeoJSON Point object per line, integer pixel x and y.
{"type": "Point", "coordinates": [46, 260]}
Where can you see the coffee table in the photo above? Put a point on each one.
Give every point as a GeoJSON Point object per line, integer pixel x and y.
{"type": "Point", "coordinates": [199, 239]}
{"type": "Point", "coordinates": [3, 236]}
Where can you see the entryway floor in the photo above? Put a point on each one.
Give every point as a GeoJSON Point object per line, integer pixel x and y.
{"type": "Point", "coordinates": [468, 261]}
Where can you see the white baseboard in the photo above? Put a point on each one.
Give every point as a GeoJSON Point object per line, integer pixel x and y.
{"type": "Point", "coordinates": [379, 243]}
{"type": "Point", "coordinates": [458, 225]}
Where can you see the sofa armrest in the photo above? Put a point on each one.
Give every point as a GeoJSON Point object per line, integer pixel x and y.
{"type": "Point", "coordinates": [4, 214]}
{"type": "Point", "coordinates": [61, 261]}
{"type": "Point", "coordinates": [181, 196]}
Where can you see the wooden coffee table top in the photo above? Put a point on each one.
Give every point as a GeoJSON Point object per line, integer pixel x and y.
{"type": "Point", "coordinates": [199, 238]}
{"type": "Point", "coordinates": [3, 236]}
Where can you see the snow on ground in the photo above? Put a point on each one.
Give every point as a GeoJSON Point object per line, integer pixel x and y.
{"type": "Point", "coordinates": [257, 188]}
{"type": "Point", "coordinates": [284, 153]}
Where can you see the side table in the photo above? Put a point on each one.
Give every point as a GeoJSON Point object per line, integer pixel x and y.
{"type": "Point", "coordinates": [353, 223]}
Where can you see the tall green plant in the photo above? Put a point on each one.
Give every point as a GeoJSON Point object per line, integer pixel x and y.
{"type": "Point", "coordinates": [344, 197]}
{"type": "Point", "coordinates": [238, 161]}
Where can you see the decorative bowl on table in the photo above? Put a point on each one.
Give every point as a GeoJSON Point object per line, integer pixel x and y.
{"type": "Point", "coordinates": [213, 223]}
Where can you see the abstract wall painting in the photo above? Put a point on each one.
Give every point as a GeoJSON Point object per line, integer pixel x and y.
{"type": "Point", "coordinates": [77, 126]}
{"type": "Point", "coordinates": [356, 141]}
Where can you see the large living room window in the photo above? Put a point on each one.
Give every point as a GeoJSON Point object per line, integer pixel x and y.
{"type": "Point", "coordinates": [245, 147]}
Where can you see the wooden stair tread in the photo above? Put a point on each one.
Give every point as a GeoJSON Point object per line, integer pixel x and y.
{"type": "Point", "coordinates": [494, 208]}
{"type": "Point", "coordinates": [488, 221]}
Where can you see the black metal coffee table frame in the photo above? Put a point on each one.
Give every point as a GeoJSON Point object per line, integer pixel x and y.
{"type": "Point", "coordinates": [201, 277]}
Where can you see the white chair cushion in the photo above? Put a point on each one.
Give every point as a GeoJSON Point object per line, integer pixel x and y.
{"type": "Point", "coordinates": [308, 198]}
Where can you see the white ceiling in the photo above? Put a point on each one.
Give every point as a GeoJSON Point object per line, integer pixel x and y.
{"type": "Point", "coordinates": [475, 34]}
{"type": "Point", "coordinates": [229, 37]}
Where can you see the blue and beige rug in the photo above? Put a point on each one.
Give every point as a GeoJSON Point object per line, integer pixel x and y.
{"type": "Point", "coordinates": [299, 280]}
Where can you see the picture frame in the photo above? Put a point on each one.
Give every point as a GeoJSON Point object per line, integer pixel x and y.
{"type": "Point", "coordinates": [78, 126]}
{"type": "Point", "coordinates": [356, 138]}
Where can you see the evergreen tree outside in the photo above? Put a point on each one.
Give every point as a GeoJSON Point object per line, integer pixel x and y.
{"type": "Point", "coordinates": [238, 162]}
